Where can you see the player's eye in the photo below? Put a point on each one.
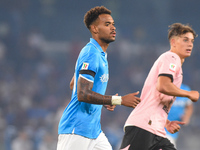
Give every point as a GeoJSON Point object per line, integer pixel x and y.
{"type": "Point", "coordinates": [106, 23]}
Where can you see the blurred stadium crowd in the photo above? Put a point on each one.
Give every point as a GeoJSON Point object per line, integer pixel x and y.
{"type": "Point", "coordinates": [39, 44]}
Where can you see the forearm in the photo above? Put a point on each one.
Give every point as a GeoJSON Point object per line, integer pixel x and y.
{"type": "Point", "coordinates": [172, 90]}
{"type": "Point", "coordinates": [85, 94]}
{"type": "Point", "coordinates": [165, 86]}
{"type": "Point", "coordinates": [188, 114]}
{"type": "Point", "coordinates": [89, 96]}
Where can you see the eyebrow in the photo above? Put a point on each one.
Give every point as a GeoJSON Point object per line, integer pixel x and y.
{"type": "Point", "coordinates": [187, 38]}
{"type": "Point", "coordinates": [109, 22]}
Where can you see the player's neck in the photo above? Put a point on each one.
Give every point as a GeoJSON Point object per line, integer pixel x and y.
{"type": "Point", "coordinates": [103, 44]}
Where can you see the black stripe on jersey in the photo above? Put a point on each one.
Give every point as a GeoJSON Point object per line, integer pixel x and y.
{"type": "Point", "coordinates": [90, 72]}
{"type": "Point", "coordinates": [167, 75]}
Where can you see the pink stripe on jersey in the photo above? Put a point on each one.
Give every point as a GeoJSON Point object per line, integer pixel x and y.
{"type": "Point", "coordinates": [152, 112]}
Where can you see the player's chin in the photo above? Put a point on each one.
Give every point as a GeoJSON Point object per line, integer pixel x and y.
{"type": "Point", "coordinates": [194, 100]}
{"type": "Point", "coordinates": [188, 55]}
{"type": "Point", "coordinates": [112, 39]}
{"type": "Point", "coordinates": [109, 40]}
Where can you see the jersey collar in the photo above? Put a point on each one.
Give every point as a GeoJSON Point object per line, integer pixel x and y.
{"type": "Point", "coordinates": [96, 44]}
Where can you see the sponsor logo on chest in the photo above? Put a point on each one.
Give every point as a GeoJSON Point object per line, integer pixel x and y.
{"type": "Point", "coordinates": [104, 78]}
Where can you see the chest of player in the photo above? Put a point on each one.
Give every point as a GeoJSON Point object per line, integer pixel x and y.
{"type": "Point", "coordinates": [102, 73]}
{"type": "Point", "coordinates": [178, 77]}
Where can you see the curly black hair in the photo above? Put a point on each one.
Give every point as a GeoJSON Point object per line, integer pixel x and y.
{"type": "Point", "coordinates": [178, 29]}
{"type": "Point", "coordinates": [93, 14]}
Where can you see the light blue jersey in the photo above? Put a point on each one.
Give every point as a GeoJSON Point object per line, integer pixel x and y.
{"type": "Point", "coordinates": [178, 109]}
{"type": "Point", "coordinates": [79, 117]}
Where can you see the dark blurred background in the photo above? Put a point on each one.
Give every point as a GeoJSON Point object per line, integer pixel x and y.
{"type": "Point", "coordinates": [39, 44]}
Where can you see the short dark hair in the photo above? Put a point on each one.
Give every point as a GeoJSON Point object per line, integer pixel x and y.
{"type": "Point", "coordinates": [178, 29]}
{"type": "Point", "coordinates": [94, 13]}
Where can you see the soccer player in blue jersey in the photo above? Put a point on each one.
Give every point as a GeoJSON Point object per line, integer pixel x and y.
{"type": "Point", "coordinates": [181, 110]}
{"type": "Point", "coordinates": [79, 127]}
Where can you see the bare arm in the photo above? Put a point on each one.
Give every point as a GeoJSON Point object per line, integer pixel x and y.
{"type": "Point", "coordinates": [165, 86]}
{"type": "Point", "coordinates": [71, 85]}
{"type": "Point", "coordinates": [188, 114]}
{"type": "Point", "coordinates": [85, 94]}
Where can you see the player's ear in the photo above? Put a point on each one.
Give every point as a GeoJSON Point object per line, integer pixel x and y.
{"type": "Point", "coordinates": [173, 42]}
{"type": "Point", "coordinates": [93, 29]}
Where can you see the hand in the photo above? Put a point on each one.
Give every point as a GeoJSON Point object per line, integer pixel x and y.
{"type": "Point", "coordinates": [110, 107]}
{"type": "Point", "coordinates": [194, 96]}
{"type": "Point", "coordinates": [173, 126]}
{"type": "Point", "coordinates": [130, 100]}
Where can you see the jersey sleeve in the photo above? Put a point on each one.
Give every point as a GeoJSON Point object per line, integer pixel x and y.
{"type": "Point", "coordinates": [89, 65]}
{"type": "Point", "coordinates": [169, 65]}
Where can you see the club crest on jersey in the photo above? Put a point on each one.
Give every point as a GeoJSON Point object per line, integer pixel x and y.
{"type": "Point", "coordinates": [85, 66]}
{"type": "Point", "coordinates": [172, 67]}
{"type": "Point", "coordinates": [104, 78]}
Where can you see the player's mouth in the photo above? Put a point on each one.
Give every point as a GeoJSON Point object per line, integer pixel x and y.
{"type": "Point", "coordinates": [189, 50]}
{"type": "Point", "coordinates": [113, 34]}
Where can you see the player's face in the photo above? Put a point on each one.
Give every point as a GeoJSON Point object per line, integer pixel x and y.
{"type": "Point", "coordinates": [106, 28]}
{"type": "Point", "coordinates": [184, 45]}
